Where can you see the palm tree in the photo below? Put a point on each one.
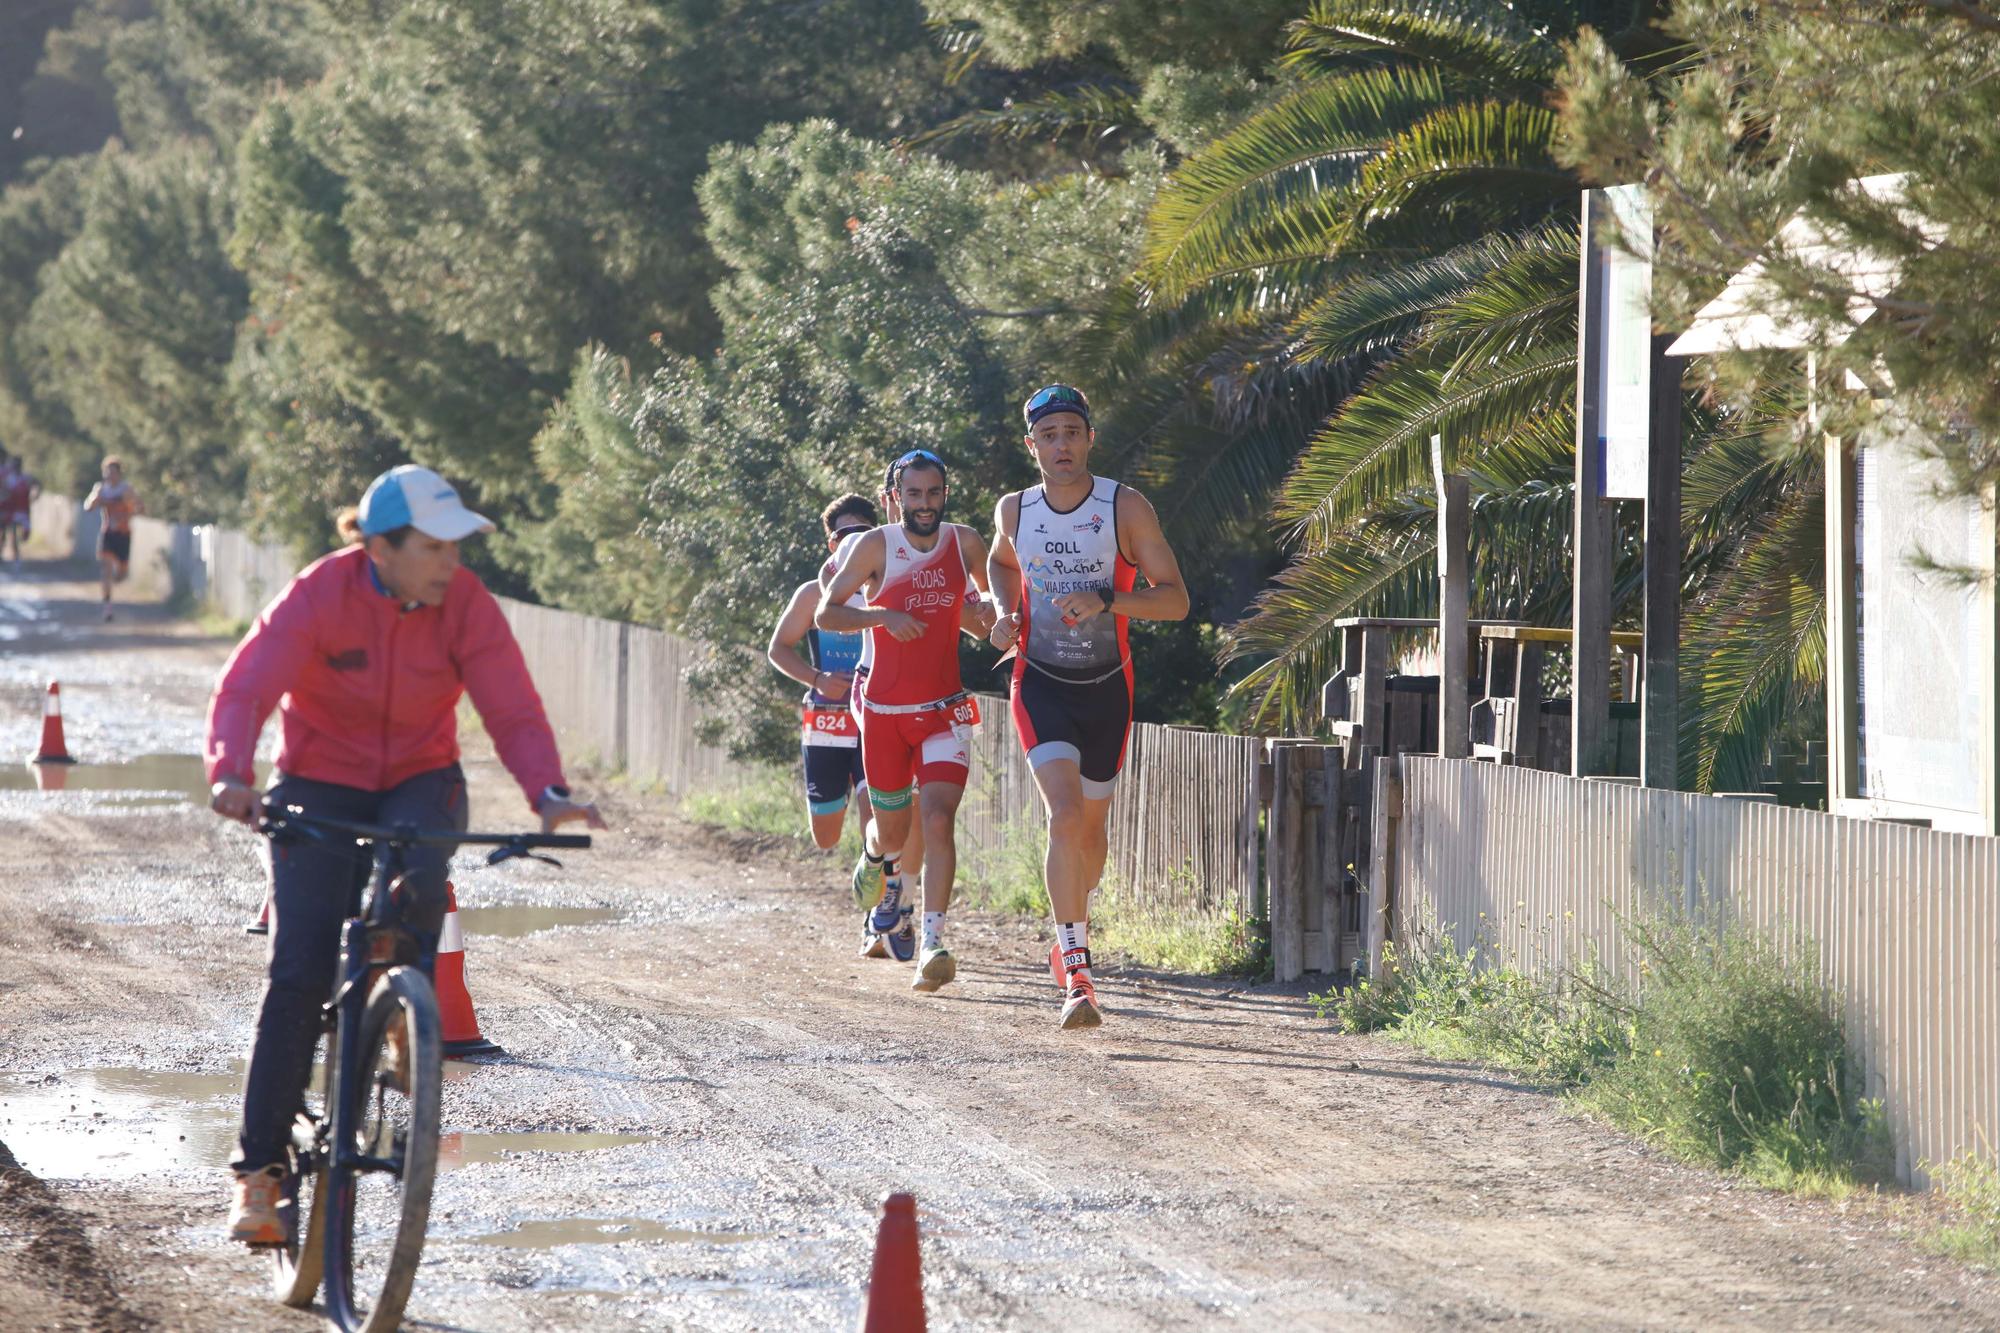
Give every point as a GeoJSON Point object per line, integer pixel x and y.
{"type": "Point", "coordinates": [1388, 252]}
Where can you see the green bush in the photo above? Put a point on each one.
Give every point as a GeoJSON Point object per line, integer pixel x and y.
{"type": "Point", "coordinates": [1176, 939]}
{"type": "Point", "coordinates": [1972, 1185]}
{"type": "Point", "coordinates": [1727, 1051]}
{"type": "Point", "coordinates": [766, 798]}
{"type": "Point", "coordinates": [1735, 1057]}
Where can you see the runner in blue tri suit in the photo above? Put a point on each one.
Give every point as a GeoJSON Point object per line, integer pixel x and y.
{"type": "Point", "coordinates": [829, 740]}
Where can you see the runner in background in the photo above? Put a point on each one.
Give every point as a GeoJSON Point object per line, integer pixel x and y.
{"type": "Point", "coordinates": [115, 499]}
{"type": "Point", "coordinates": [917, 715]}
{"type": "Point", "coordinates": [829, 740]}
{"type": "Point", "coordinates": [17, 502]}
{"type": "Point", "coordinates": [1064, 570]}
{"type": "Point", "coordinates": [878, 877]}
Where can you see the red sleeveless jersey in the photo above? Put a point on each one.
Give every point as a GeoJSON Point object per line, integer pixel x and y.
{"type": "Point", "coordinates": [929, 585]}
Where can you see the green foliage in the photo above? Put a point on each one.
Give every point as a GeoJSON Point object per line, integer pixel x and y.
{"type": "Point", "coordinates": [134, 327]}
{"type": "Point", "coordinates": [1773, 112]}
{"type": "Point", "coordinates": [1727, 1052]}
{"type": "Point", "coordinates": [1736, 1058]}
{"type": "Point", "coordinates": [1971, 1184]}
{"type": "Point", "coordinates": [1138, 34]}
{"type": "Point", "coordinates": [764, 798]}
{"type": "Point", "coordinates": [1212, 942]}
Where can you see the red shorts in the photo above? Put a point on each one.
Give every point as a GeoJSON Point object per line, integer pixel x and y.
{"type": "Point", "coordinates": [900, 748]}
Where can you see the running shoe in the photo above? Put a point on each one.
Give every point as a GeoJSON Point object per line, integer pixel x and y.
{"type": "Point", "coordinates": [902, 940]}
{"type": "Point", "coordinates": [868, 883]}
{"type": "Point", "coordinates": [873, 945]}
{"type": "Point", "coordinates": [1056, 967]}
{"type": "Point", "coordinates": [885, 916]}
{"type": "Point", "coordinates": [1080, 1008]}
{"type": "Point", "coordinates": [253, 1211]}
{"type": "Point", "coordinates": [935, 967]}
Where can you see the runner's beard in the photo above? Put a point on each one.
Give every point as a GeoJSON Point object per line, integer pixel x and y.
{"type": "Point", "coordinates": [915, 529]}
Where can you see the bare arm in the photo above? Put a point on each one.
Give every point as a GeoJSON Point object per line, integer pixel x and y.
{"type": "Point", "coordinates": [790, 631]}
{"type": "Point", "coordinates": [90, 500]}
{"type": "Point", "coordinates": [976, 617]}
{"type": "Point", "coordinates": [1003, 576]}
{"type": "Point", "coordinates": [1166, 596]}
{"type": "Point", "coordinates": [860, 563]}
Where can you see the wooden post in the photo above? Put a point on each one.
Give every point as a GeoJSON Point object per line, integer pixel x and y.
{"type": "Point", "coordinates": [1659, 724]}
{"type": "Point", "coordinates": [1454, 560]}
{"type": "Point", "coordinates": [1385, 811]}
{"type": "Point", "coordinates": [1843, 661]}
{"type": "Point", "coordinates": [1281, 864]}
{"type": "Point", "coordinates": [1590, 617]}
{"type": "Point", "coordinates": [1319, 917]}
{"type": "Point", "coordinates": [1374, 717]}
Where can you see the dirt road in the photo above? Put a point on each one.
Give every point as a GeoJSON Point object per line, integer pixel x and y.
{"type": "Point", "coordinates": [707, 1094]}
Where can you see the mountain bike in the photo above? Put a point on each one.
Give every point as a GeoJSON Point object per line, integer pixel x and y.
{"type": "Point", "coordinates": [357, 1195]}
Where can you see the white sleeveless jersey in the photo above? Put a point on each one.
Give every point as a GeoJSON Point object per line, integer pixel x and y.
{"type": "Point", "coordinates": [1063, 552]}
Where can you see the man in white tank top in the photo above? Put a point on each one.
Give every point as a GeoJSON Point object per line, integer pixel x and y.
{"type": "Point", "coordinates": [1064, 567]}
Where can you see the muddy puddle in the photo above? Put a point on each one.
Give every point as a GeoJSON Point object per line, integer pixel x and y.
{"type": "Point", "coordinates": [554, 1233]}
{"type": "Point", "coordinates": [514, 922]}
{"type": "Point", "coordinates": [149, 780]}
{"type": "Point", "coordinates": [110, 1124]}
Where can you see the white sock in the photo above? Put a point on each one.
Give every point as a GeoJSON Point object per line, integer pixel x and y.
{"type": "Point", "coordinates": [933, 925]}
{"type": "Point", "coordinates": [1074, 937]}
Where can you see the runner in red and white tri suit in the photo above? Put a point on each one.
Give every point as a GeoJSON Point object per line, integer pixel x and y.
{"type": "Point", "coordinates": [917, 715]}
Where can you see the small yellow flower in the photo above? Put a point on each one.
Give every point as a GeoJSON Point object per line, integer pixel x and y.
{"type": "Point", "coordinates": [1657, 1052]}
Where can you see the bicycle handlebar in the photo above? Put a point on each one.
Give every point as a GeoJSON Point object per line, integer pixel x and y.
{"type": "Point", "coordinates": [276, 819]}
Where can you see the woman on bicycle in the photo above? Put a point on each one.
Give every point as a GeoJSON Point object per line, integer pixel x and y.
{"type": "Point", "coordinates": [364, 656]}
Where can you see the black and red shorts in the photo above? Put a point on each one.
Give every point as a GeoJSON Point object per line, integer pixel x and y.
{"type": "Point", "coordinates": [1085, 722]}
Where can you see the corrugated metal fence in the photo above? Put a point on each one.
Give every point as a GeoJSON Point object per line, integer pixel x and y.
{"type": "Point", "coordinates": [1906, 921]}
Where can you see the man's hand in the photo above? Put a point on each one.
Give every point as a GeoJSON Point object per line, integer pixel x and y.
{"type": "Point", "coordinates": [833, 684]}
{"type": "Point", "coordinates": [232, 800]}
{"type": "Point", "coordinates": [902, 626]}
{"type": "Point", "coordinates": [1005, 631]}
{"type": "Point", "coordinates": [556, 812]}
{"type": "Point", "coordinates": [984, 614]}
{"type": "Point", "coordinates": [1079, 606]}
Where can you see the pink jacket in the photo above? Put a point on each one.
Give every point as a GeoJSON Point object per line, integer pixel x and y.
{"type": "Point", "coordinates": [367, 693]}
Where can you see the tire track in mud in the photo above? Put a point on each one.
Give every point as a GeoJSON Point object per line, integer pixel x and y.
{"type": "Point", "coordinates": [48, 1264]}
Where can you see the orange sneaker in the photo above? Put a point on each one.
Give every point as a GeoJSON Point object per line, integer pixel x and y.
{"type": "Point", "coordinates": [1056, 967]}
{"type": "Point", "coordinates": [253, 1215]}
{"type": "Point", "coordinates": [1079, 995]}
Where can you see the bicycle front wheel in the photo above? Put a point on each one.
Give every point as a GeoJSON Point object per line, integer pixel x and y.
{"type": "Point", "coordinates": [295, 1265]}
{"type": "Point", "coordinates": [379, 1206]}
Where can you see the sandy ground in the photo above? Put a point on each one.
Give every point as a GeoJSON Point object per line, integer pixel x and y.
{"type": "Point", "coordinates": [707, 1096]}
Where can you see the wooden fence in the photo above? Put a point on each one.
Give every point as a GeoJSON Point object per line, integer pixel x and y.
{"type": "Point", "coordinates": [1905, 921]}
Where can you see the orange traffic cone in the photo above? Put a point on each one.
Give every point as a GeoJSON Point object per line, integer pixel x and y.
{"type": "Point", "coordinates": [262, 925]}
{"type": "Point", "coordinates": [53, 750]}
{"type": "Point", "coordinates": [461, 1026]}
{"type": "Point", "coordinates": [895, 1302]}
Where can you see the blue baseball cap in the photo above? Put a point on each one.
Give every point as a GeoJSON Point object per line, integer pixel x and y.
{"type": "Point", "coordinates": [416, 497]}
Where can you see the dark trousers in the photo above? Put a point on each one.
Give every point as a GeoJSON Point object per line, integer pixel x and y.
{"type": "Point", "coordinates": [316, 886]}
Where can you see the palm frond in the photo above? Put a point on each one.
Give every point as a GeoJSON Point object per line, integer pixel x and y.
{"type": "Point", "coordinates": [1302, 146]}
{"type": "Point", "coordinates": [1379, 443]}
{"type": "Point", "coordinates": [1099, 110]}
{"type": "Point", "coordinates": [1755, 648]}
{"type": "Point", "coordinates": [1482, 44]}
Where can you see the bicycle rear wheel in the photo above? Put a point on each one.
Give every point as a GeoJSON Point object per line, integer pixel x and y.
{"type": "Point", "coordinates": [376, 1215]}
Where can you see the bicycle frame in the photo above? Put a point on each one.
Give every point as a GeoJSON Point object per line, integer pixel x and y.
{"type": "Point", "coordinates": [369, 949]}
